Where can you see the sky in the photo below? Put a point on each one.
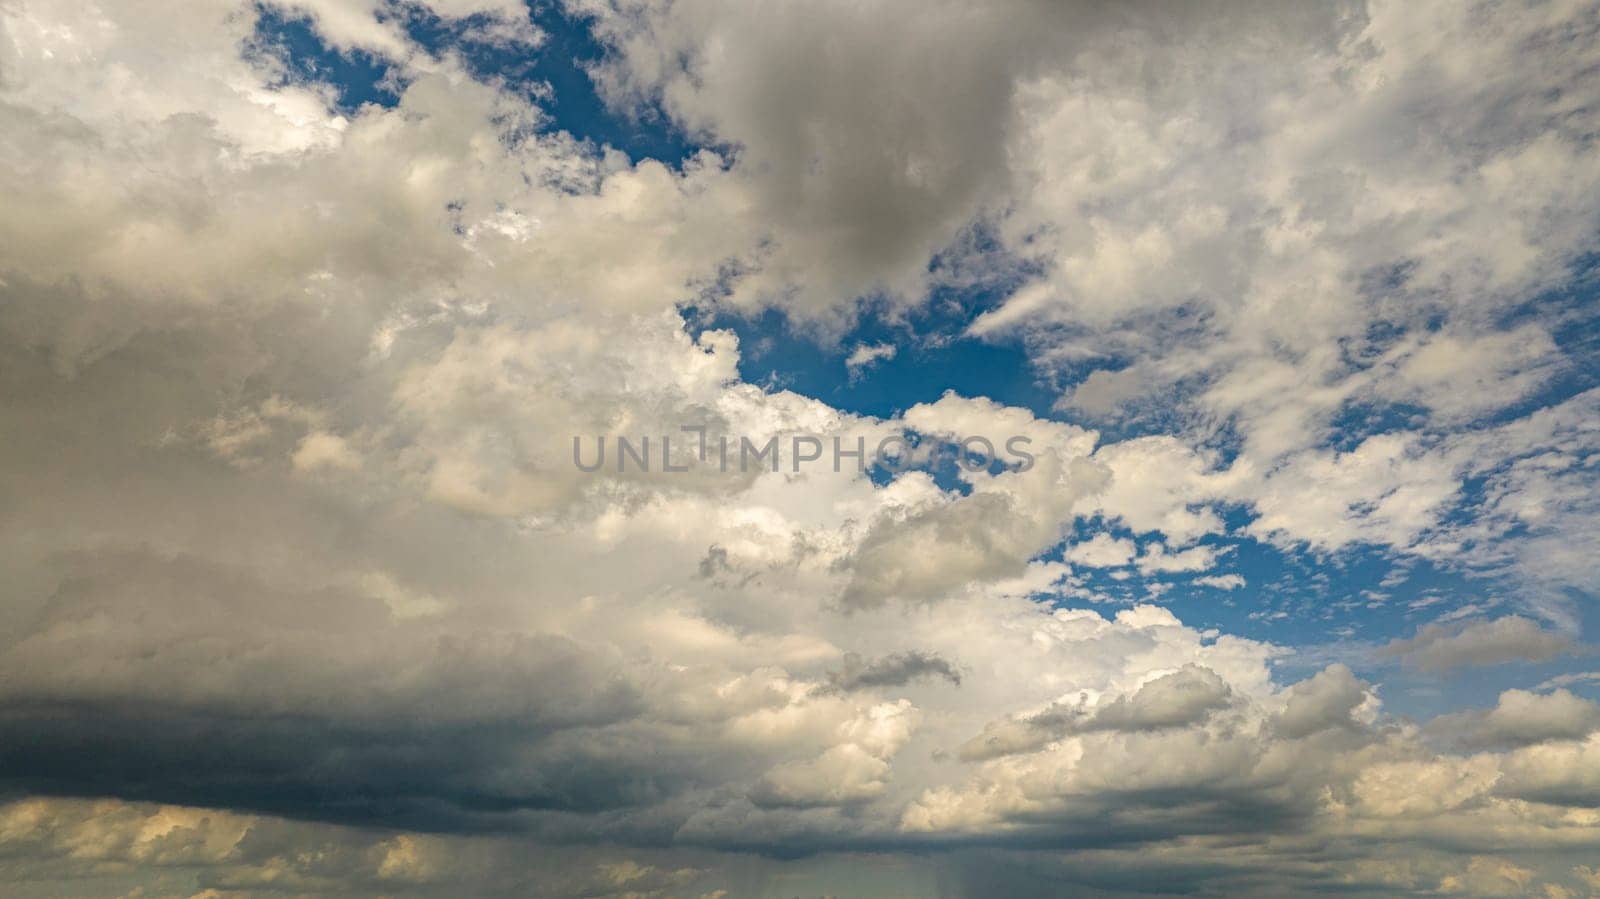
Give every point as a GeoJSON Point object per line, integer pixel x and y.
{"type": "Point", "coordinates": [306, 307]}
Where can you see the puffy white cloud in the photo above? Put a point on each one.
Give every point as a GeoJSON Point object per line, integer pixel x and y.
{"type": "Point", "coordinates": [1559, 773]}
{"type": "Point", "coordinates": [1160, 484]}
{"type": "Point", "coordinates": [935, 543]}
{"type": "Point", "coordinates": [1156, 559]}
{"type": "Point", "coordinates": [848, 772]}
{"type": "Point", "coordinates": [1522, 717]}
{"type": "Point", "coordinates": [1102, 551]}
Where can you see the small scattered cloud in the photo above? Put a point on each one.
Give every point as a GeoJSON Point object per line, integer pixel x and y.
{"type": "Point", "coordinates": [1571, 678]}
{"type": "Point", "coordinates": [1156, 559]}
{"type": "Point", "coordinates": [865, 356]}
{"type": "Point", "coordinates": [1102, 551]}
{"type": "Point", "coordinates": [1104, 391]}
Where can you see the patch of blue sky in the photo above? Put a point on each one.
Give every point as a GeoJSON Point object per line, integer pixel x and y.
{"type": "Point", "coordinates": [932, 352]}
{"type": "Point", "coordinates": [1422, 694]}
{"type": "Point", "coordinates": [1290, 596]}
{"type": "Point", "coordinates": [357, 77]}
{"type": "Point", "coordinates": [931, 357]}
{"type": "Point", "coordinates": [1358, 421]}
{"type": "Point", "coordinates": [555, 73]}
{"type": "Point", "coordinates": [1345, 606]}
{"type": "Point", "coordinates": [948, 463]}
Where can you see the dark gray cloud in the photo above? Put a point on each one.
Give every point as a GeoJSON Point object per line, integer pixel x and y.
{"type": "Point", "coordinates": [1182, 698]}
{"type": "Point", "coordinates": [1327, 700]}
{"type": "Point", "coordinates": [183, 681]}
{"type": "Point", "coordinates": [893, 670]}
